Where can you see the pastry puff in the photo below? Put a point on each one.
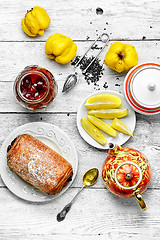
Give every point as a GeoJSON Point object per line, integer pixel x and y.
{"type": "Point", "coordinates": [38, 164]}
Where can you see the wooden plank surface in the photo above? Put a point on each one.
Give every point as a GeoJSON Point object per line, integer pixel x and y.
{"type": "Point", "coordinates": [97, 220]}
{"type": "Point", "coordinates": [78, 19]}
{"type": "Point", "coordinates": [96, 213]}
{"type": "Point", "coordinates": [14, 61]}
{"type": "Point", "coordinates": [89, 156]}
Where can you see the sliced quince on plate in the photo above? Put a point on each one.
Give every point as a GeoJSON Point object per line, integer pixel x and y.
{"type": "Point", "coordinates": [121, 127]}
{"type": "Point", "coordinates": [105, 127]}
{"type": "Point", "coordinates": [103, 101]}
{"type": "Point", "coordinates": [109, 113]}
{"type": "Point", "coordinates": [93, 131]}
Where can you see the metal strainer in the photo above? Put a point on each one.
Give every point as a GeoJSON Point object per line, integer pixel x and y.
{"type": "Point", "coordinates": [72, 79]}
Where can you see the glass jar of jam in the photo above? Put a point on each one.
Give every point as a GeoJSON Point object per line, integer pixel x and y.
{"type": "Point", "coordinates": [35, 88]}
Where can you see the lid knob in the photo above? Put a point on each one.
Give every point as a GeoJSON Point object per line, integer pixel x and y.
{"type": "Point", "coordinates": [151, 86]}
{"type": "Point", "coordinates": [128, 176]}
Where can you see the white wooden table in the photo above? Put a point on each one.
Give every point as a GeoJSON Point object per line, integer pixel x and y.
{"type": "Point", "coordinates": [96, 214]}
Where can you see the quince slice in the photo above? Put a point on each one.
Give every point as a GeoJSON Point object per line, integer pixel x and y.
{"type": "Point", "coordinates": [103, 101]}
{"type": "Point", "coordinates": [93, 131]}
{"type": "Point", "coordinates": [109, 113]}
{"type": "Point", "coordinates": [105, 127]}
{"type": "Point", "coordinates": [121, 127]}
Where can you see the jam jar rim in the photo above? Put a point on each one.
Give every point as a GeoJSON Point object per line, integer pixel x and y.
{"type": "Point", "coordinates": [21, 76]}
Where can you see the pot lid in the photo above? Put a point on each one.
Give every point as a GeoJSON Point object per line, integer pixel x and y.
{"type": "Point", "coordinates": [142, 88]}
{"type": "Point", "coordinates": [128, 175]}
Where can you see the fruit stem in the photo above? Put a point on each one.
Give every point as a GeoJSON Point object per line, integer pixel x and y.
{"type": "Point", "coordinates": [121, 55]}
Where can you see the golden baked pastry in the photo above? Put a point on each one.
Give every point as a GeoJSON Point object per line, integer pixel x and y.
{"type": "Point", "coordinates": [38, 164]}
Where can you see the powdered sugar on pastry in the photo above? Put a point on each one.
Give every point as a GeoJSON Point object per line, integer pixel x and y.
{"type": "Point", "coordinates": [38, 164]}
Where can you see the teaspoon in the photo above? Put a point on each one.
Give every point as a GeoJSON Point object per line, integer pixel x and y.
{"type": "Point", "coordinates": [89, 178]}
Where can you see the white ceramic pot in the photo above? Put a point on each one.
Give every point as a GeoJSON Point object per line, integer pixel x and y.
{"type": "Point", "coordinates": [142, 88]}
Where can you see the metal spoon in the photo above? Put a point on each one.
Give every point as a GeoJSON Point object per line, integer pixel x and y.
{"type": "Point", "coordinates": [89, 178]}
{"type": "Point", "coordinates": [72, 79]}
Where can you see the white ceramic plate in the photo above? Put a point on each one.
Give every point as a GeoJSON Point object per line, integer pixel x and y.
{"type": "Point", "coordinates": [52, 136]}
{"type": "Point", "coordinates": [121, 138]}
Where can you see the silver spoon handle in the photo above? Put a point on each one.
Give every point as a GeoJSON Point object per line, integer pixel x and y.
{"type": "Point", "coordinates": [95, 57]}
{"type": "Point", "coordinates": [86, 52]}
{"type": "Point", "coordinates": [99, 37]}
{"type": "Point", "coordinates": [61, 215]}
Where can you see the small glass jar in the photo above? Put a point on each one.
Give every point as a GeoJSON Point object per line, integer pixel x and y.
{"type": "Point", "coordinates": [35, 88]}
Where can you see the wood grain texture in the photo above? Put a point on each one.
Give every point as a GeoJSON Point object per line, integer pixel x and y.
{"type": "Point", "coordinates": [96, 214]}
{"type": "Point", "coordinates": [14, 61]}
{"type": "Point", "coordinates": [133, 19]}
{"type": "Point", "coordinates": [107, 216]}
{"type": "Point", "coordinates": [89, 156]}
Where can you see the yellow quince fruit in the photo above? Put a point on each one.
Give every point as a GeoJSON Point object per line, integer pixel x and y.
{"type": "Point", "coordinates": [35, 21]}
{"type": "Point", "coordinates": [60, 48]}
{"type": "Point", "coordinates": [121, 57]}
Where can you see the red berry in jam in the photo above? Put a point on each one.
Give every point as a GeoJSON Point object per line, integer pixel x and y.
{"type": "Point", "coordinates": [33, 87]}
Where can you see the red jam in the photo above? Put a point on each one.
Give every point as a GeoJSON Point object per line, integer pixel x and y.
{"type": "Point", "coordinates": [35, 87]}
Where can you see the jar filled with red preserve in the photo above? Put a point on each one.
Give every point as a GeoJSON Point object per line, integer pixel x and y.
{"type": "Point", "coordinates": [35, 88]}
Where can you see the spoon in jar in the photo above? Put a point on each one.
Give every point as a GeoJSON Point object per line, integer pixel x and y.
{"type": "Point", "coordinates": [89, 178]}
{"type": "Point", "coordinates": [72, 79]}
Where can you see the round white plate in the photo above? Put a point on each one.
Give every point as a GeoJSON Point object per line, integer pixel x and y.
{"type": "Point", "coordinates": [121, 138]}
{"type": "Point", "coordinates": [52, 136]}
